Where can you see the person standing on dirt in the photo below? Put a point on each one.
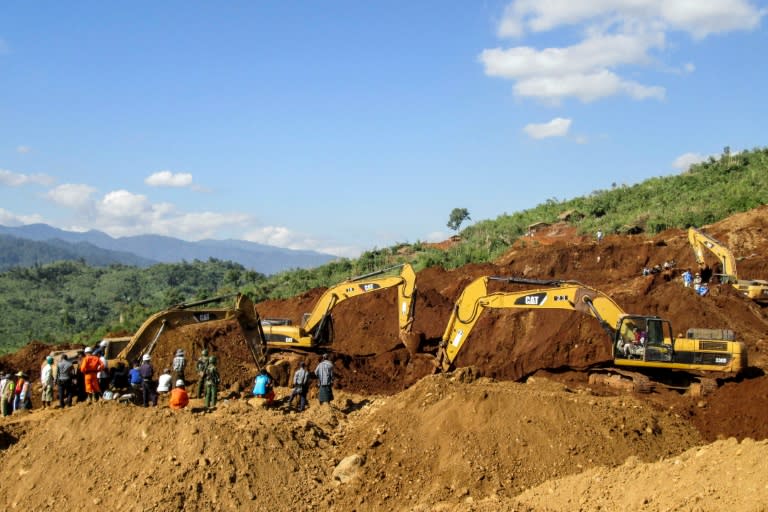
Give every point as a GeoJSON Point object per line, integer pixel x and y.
{"type": "Point", "coordinates": [324, 373]}
{"type": "Point", "coordinates": [7, 394]}
{"type": "Point", "coordinates": [90, 368]}
{"type": "Point", "coordinates": [300, 386]}
{"type": "Point", "coordinates": [65, 371]}
{"type": "Point", "coordinates": [178, 365]}
{"type": "Point", "coordinates": [200, 367]}
{"type": "Point", "coordinates": [687, 278]}
{"type": "Point", "coordinates": [103, 374]}
{"type": "Point", "coordinates": [212, 380]}
{"type": "Point", "coordinates": [179, 397]}
{"type": "Point", "coordinates": [46, 379]}
{"type": "Point", "coordinates": [147, 384]}
{"type": "Point", "coordinates": [22, 400]}
{"type": "Point", "coordinates": [164, 382]}
{"type": "Point", "coordinates": [599, 235]}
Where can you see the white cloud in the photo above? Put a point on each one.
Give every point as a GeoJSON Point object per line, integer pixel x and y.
{"type": "Point", "coordinates": [71, 195]}
{"type": "Point", "coordinates": [557, 127]}
{"type": "Point", "coordinates": [699, 18]}
{"type": "Point", "coordinates": [23, 149]}
{"type": "Point", "coordinates": [686, 160]}
{"type": "Point", "coordinates": [169, 179]}
{"type": "Point", "coordinates": [617, 33]}
{"type": "Point", "coordinates": [689, 67]}
{"type": "Point", "coordinates": [121, 203]}
{"type": "Point", "coordinates": [13, 179]}
{"type": "Point", "coordinates": [281, 236]}
{"type": "Point", "coordinates": [11, 219]}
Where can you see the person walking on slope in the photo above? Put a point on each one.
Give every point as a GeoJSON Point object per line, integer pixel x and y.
{"type": "Point", "coordinates": [179, 364]}
{"type": "Point", "coordinates": [200, 367]}
{"type": "Point", "coordinates": [300, 386]}
{"type": "Point", "coordinates": [324, 373]}
{"type": "Point", "coordinates": [7, 394]}
{"type": "Point", "coordinates": [212, 380]}
{"type": "Point", "coordinates": [179, 397]}
{"type": "Point", "coordinates": [65, 372]}
{"type": "Point", "coordinates": [90, 368]}
{"type": "Point", "coordinates": [46, 379]}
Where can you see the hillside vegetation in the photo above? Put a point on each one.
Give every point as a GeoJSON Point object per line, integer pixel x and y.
{"type": "Point", "coordinates": [72, 301]}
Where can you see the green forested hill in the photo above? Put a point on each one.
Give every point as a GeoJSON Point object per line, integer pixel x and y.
{"type": "Point", "coordinates": [71, 301]}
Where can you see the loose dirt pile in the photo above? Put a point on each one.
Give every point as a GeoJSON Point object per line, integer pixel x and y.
{"type": "Point", "coordinates": [400, 438]}
{"type": "Point", "coordinates": [446, 440]}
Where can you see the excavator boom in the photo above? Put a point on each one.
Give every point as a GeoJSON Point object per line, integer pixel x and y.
{"type": "Point", "coordinates": [317, 329]}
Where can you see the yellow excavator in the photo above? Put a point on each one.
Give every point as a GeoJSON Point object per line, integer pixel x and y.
{"type": "Point", "coordinates": [755, 289]}
{"type": "Point", "coordinates": [641, 343]}
{"type": "Point", "coordinates": [145, 338]}
{"type": "Point", "coordinates": [317, 326]}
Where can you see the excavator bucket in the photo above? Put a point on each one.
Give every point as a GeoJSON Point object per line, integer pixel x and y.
{"type": "Point", "coordinates": [412, 341]}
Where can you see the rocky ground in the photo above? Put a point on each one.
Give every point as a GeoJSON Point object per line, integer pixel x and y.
{"type": "Point", "coordinates": [516, 427]}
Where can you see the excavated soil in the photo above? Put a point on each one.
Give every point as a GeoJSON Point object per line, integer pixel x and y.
{"type": "Point", "coordinates": [517, 427]}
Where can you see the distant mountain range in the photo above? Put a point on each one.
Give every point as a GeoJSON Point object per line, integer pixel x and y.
{"type": "Point", "coordinates": [99, 249]}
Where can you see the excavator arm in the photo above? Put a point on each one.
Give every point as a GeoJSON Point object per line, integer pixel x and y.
{"type": "Point", "coordinates": [700, 241]}
{"type": "Point", "coordinates": [316, 329]}
{"type": "Point", "coordinates": [565, 295]}
{"type": "Point", "coordinates": [638, 341]}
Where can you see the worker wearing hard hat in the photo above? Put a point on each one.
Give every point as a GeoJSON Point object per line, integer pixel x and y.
{"type": "Point", "coordinates": [147, 384]}
{"type": "Point", "coordinates": [179, 396]}
{"type": "Point", "coordinates": [90, 366]}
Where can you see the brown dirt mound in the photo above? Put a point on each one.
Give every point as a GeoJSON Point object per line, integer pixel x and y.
{"type": "Point", "coordinates": [704, 478]}
{"type": "Point", "coordinates": [442, 441]}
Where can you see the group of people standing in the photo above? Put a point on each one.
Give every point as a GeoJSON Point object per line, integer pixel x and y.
{"type": "Point", "coordinates": [264, 384]}
{"type": "Point", "coordinates": [87, 377]}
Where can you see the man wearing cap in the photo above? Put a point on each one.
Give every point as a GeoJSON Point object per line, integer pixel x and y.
{"type": "Point", "coordinates": [179, 397]}
{"type": "Point", "coordinates": [146, 371]}
{"type": "Point", "coordinates": [22, 399]}
{"type": "Point", "coordinates": [202, 364]}
{"type": "Point", "coordinates": [179, 364]}
{"type": "Point", "coordinates": [7, 387]}
{"type": "Point", "coordinates": [46, 379]}
{"type": "Point", "coordinates": [90, 368]}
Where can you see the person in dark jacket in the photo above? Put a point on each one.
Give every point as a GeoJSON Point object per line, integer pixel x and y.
{"type": "Point", "coordinates": [65, 373]}
{"type": "Point", "coordinates": [147, 384]}
{"type": "Point", "coordinates": [324, 373]}
{"type": "Point", "coordinates": [300, 386]}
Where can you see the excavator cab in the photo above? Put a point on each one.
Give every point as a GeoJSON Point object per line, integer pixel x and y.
{"type": "Point", "coordinates": [644, 338]}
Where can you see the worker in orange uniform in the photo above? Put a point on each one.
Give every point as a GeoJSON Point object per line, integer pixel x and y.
{"type": "Point", "coordinates": [90, 367]}
{"type": "Point", "coordinates": [179, 396]}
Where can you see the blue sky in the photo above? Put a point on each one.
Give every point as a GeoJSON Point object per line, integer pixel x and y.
{"type": "Point", "coordinates": [343, 126]}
